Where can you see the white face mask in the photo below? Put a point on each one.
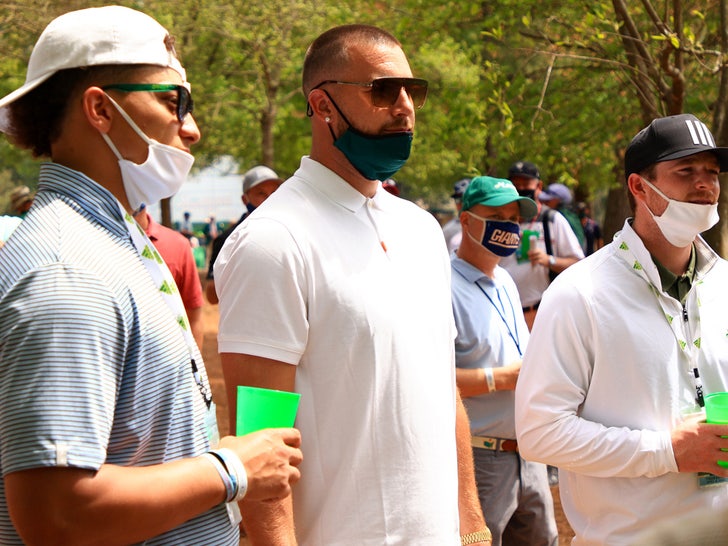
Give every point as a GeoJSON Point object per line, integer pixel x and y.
{"type": "Point", "coordinates": [682, 222]}
{"type": "Point", "coordinates": [159, 177]}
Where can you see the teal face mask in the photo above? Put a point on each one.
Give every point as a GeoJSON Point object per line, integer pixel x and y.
{"type": "Point", "coordinates": [375, 157]}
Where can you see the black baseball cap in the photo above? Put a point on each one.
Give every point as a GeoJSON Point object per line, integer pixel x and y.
{"type": "Point", "coordinates": [671, 138]}
{"type": "Point", "coordinates": [525, 169]}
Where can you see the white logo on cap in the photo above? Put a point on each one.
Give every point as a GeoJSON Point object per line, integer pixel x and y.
{"type": "Point", "coordinates": [700, 133]}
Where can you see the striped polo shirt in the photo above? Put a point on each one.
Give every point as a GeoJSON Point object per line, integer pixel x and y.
{"type": "Point", "coordinates": [94, 368]}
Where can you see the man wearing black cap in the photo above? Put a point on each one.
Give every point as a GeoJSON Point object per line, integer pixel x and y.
{"type": "Point", "coordinates": [555, 246]}
{"type": "Point", "coordinates": [627, 345]}
{"type": "Point", "coordinates": [452, 229]}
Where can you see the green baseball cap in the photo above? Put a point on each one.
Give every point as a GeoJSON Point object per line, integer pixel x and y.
{"type": "Point", "coordinates": [496, 192]}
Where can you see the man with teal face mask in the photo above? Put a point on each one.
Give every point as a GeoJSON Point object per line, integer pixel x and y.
{"type": "Point", "coordinates": [351, 287]}
{"type": "Point", "coordinates": [491, 338]}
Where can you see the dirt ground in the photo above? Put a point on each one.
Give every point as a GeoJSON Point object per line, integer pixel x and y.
{"type": "Point", "coordinates": [214, 371]}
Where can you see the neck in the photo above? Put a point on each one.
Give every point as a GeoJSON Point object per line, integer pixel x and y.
{"type": "Point", "coordinates": [82, 149]}
{"type": "Point", "coordinates": [336, 161]}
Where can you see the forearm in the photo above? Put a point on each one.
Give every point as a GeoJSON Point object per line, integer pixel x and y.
{"type": "Point", "coordinates": [269, 523]}
{"type": "Point", "coordinates": [82, 507]}
{"type": "Point", "coordinates": [197, 325]}
{"type": "Point", "coordinates": [210, 292]}
{"type": "Point", "coordinates": [587, 447]}
{"type": "Point", "coordinates": [471, 514]}
{"type": "Point", "coordinates": [561, 263]}
{"type": "Point", "coordinates": [473, 382]}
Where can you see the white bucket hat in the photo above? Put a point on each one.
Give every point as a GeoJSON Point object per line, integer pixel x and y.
{"type": "Point", "coordinates": [95, 36]}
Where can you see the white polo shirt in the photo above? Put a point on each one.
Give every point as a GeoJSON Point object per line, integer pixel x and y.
{"type": "Point", "coordinates": [356, 293]}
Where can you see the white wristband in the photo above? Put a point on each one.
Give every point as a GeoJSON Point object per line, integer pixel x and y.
{"type": "Point", "coordinates": [489, 379]}
{"type": "Point", "coordinates": [236, 469]}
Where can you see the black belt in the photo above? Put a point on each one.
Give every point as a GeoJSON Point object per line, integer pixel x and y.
{"type": "Point", "coordinates": [532, 307]}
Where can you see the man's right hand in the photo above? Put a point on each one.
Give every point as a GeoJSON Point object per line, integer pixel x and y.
{"type": "Point", "coordinates": [271, 458]}
{"type": "Point", "coordinates": [697, 447]}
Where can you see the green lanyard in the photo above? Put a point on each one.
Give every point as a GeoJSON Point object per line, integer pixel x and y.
{"type": "Point", "coordinates": [686, 328]}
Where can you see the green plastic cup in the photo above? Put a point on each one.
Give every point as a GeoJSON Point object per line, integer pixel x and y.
{"type": "Point", "coordinates": [522, 252]}
{"type": "Point", "coordinates": [264, 408]}
{"type": "Point", "coordinates": [716, 412]}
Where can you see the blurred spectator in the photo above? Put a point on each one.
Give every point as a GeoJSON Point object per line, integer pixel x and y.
{"type": "Point", "coordinates": [558, 197]}
{"type": "Point", "coordinates": [592, 230]}
{"type": "Point", "coordinates": [185, 227]}
{"type": "Point", "coordinates": [554, 248]}
{"type": "Point", "coordinates": [391, 186]}
{"type": "Point", "coordinates": [21, 199]}
{"type": "Point", "coordinates": [210, 230]}
{"type": "Point", "coordinates": [451, 230]}
{"type": "Point", "coordinates": [258, 184]}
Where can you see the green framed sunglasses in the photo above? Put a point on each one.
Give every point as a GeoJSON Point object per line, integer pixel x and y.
{"type": "Point", "coordinates": [185, 104]}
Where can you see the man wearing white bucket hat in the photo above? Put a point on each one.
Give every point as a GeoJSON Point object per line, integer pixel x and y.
{"type": "Point", "coordinates": [108, 418]}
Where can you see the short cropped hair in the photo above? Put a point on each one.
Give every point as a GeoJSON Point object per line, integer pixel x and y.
{"type": "Point", "coordinates": [35, 119]}
{"type": "Point", "coordinates": [331, 51]}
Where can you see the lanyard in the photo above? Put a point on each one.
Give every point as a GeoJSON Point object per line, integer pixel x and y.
{"type": "Point", "coordinates": [513, 333]}
{"type": "Point", "coordinates": [676, 314]}
{"type": "Point", "coordinates": [163, 279]}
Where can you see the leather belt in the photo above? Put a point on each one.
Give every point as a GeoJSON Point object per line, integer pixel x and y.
{"type": "Point", "coordinates": [494, 444]}
{"type": "Point", "coordinates": [532, 307]}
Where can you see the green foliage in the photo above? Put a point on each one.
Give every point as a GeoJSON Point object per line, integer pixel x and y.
{"type": "Point", "coordinates": [541, 80]}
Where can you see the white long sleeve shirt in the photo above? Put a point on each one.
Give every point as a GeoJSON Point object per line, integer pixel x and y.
{"type": "Point", "coordinates": [605, 380]}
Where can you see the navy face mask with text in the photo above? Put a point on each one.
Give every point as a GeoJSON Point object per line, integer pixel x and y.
{"type": "Point", "coordinates": [501, 237]}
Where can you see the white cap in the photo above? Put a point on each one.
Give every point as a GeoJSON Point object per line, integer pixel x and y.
{"type": "Point", "coordinates": [256, 175]}
{"type": "Point", "coordinates": [95, 36]}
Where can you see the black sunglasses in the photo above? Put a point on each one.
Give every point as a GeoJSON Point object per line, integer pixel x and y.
{"type": "Point", "coordinates": [185, 104]}
{"type": "Point", "coordinates": [385, 91]}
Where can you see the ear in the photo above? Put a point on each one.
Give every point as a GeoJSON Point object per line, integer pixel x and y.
{"type": "Point", "coordinates": [636, 186]}
{"type": "Point", "coordinates": [465, 220]}
{"type": "Point", "coordinates": [244, 199]}
{"type": "Point", "coordinates": [98, 109]}
{"type": "Point", "coordinates": [320, 104]}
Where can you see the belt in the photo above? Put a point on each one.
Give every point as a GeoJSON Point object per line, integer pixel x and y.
{"type": "Point", "coordinates": [532, 307]}
{"type": "Point", "coordinates": [493, 444]}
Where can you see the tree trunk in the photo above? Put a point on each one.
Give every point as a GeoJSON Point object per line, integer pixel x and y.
{"type": "Point", "coordinates": [166, 208]}
{"type": "Point", "coordinates": [617, 209]}
{"type": "Point", "coordinates": [718, 236]}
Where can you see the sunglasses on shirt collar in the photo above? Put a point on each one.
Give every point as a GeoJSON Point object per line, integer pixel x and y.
{"type": "Point", "coordinates": [185, 104]}
{"type": "Point", "coordinates": [385, 91]}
